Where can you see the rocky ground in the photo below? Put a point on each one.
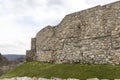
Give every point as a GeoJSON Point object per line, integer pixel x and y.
{"type": "Point", "coordinates": [54, 78]}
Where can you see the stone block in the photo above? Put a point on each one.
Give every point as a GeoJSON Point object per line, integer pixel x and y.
{"type": "Point", "coordinates": [92, 79]}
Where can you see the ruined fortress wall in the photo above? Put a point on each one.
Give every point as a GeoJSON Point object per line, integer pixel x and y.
{"type": "Point", "coordinates": [31, 54]}
{"type": "Point", "coordinates": [89, 36]}
{"type": "Point", "coordinates": [43, 47]}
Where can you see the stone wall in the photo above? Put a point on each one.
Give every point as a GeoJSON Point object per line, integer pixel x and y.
{"type": "Point", "coordinates": [31, 54]}
{"type": "Point", "coordinates": [90, 36]}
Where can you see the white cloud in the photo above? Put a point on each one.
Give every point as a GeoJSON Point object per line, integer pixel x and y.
{"type": "Point", "coordinates": [99, 2]}
{"type": "Point", "coordinates": [22, 19]}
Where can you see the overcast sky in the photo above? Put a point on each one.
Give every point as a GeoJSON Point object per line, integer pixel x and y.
{"type": "Point", "coordinates": [22, 19]}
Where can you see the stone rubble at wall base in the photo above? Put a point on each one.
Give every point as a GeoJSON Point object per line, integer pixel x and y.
{"type": "Point", "coordinates": [91, 36]}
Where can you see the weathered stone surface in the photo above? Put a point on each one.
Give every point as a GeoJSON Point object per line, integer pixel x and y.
{"type": "Point", "coordinates": [92, 79]}
{"type": "Point", "coordinates": [71, 79]}
{"type": "Point", "coordinates": [43, 79]}
{"type": "Point", "coordinates": [28, 78]}
{"type": "Point", "coordinates": [18, 78]}
{"type": "Point", "coordinates": [90, 36]}
{"type": "Point", "coordinates": [116, 79]}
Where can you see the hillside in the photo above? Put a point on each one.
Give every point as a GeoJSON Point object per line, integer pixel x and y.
{"type": "Point", "coordinates": [47, 70]}
{"type": "Point", "coordinates": [3, 60]}
{"type": "Point", "coordinates": [12, 57]}
{"type": "Point", "coordinates": [6, 65]}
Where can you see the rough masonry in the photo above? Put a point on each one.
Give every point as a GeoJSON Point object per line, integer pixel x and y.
{"type": "Point", "coordinates": [90, 36]}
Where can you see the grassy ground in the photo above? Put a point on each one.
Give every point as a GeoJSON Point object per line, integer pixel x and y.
{"type": "Point", "coordinates": [37, 69]}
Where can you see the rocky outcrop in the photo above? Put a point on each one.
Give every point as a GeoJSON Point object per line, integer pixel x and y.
{"type": "Point", "coordinates": [90, 36]}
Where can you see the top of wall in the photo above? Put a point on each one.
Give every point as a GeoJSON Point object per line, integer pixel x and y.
{"type": "Point", "coordinates": [98, 7]}
{"type": "Point", "coordinates": [95, 19]}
